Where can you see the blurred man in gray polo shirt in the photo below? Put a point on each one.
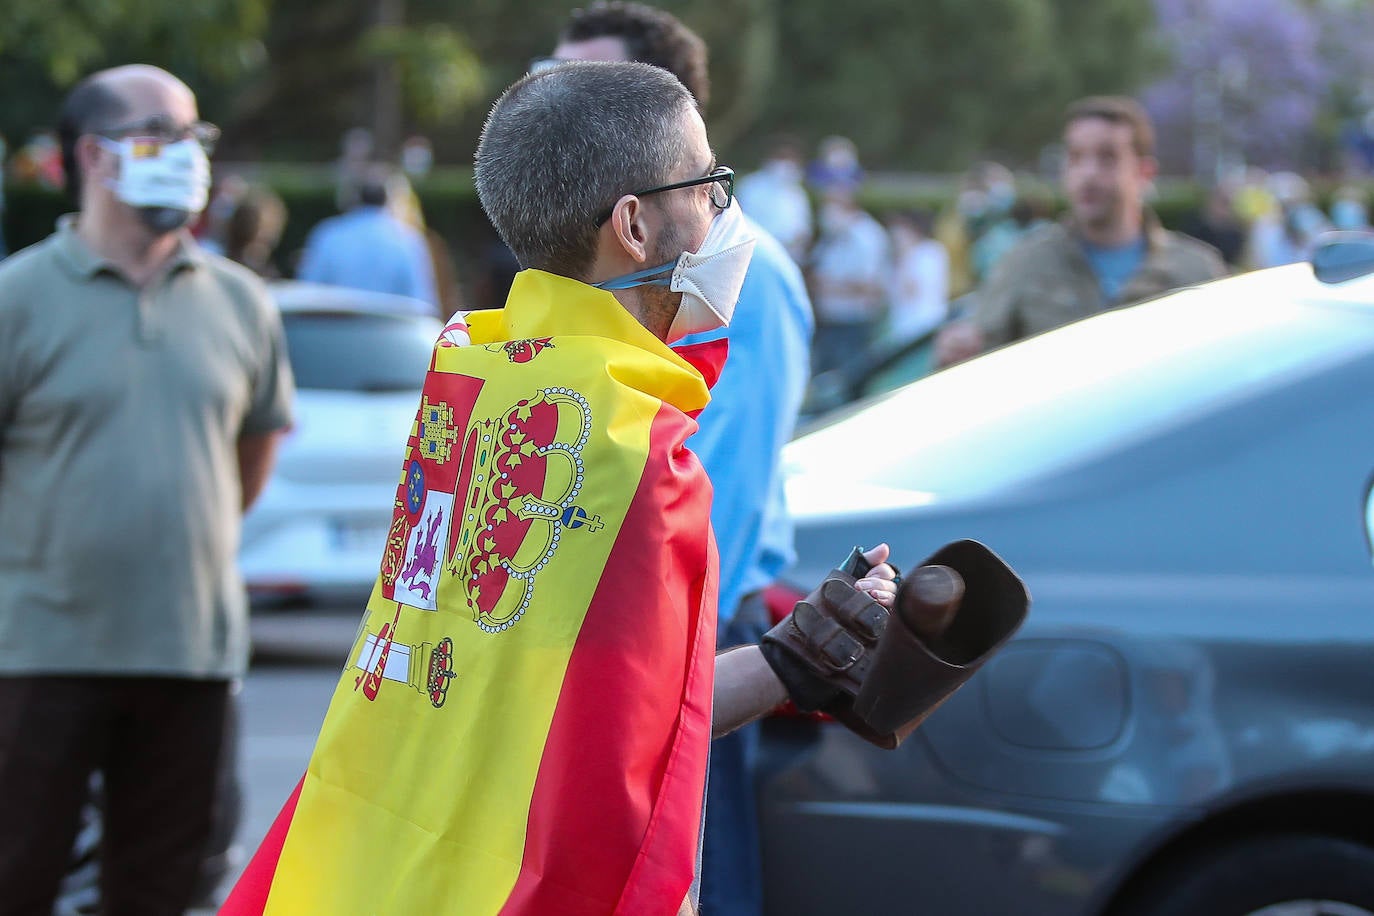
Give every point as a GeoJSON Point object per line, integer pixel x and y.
{"type": "Point", "coordinates": [143, 385]}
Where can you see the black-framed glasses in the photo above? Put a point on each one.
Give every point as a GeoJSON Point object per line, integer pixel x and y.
{"type": "Point", "coordinates": [721, 179]}
{"type": "Point", "coordinates": [165, 130]}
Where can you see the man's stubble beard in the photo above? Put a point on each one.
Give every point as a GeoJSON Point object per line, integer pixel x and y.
{"type": "Point", "coordinates": [660, 302]}
{"type": "Point", "coordinates": [1108, 215]}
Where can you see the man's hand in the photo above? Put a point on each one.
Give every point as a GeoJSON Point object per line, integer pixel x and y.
{"type": "Point", "coordinates": [956, 342]}
{"type": "Point", "coordinates": [747, 689]}
{"type": "Point", "coordinates": [880, 582]}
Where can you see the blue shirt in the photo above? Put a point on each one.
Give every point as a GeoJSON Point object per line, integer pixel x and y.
{"type": "Point", "coordinates": [751, 416]}
{"type": "Point", "coordinates": [368, 248]}
{"type": "Point", "coordinates": [1114, 265]}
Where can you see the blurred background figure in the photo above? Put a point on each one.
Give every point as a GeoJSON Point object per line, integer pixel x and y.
{"type": "Point", "coordinates": [356, 149]}
{"type": "Point", "coordinates": [848, 272]}
{"type": "Point", "coordinates": [1357, 144]}
{"type": "Point", "coordinates": [1110, 251]}
{"type": "Point", "coordinates": [1219, 225]}
{"type": "Point", "coordinates": [836, 166]}
{"type": "Point", "coordinates": [776, 198]}
{"type": "Point", "coordinates": [39, 161]}
{"type": "Point", "coordinates": [1287, 231]}
{"type": "Point", "coordinates": [979, 228]}
{"type": "Point", "coordinates": [417, 156]}
{"type": "Point", "coordinates": [1350, 209]}
{"type": "Point", "coordinates": [404, 204]}
{"type": "Point", "coordinates": [369, 247]}
{"type": "Point", "coordinates": [253, 231]}
{"type": "Point", "coordinates": [4, 249]}
{"type": "Point", "coordinates": [918, 295]}
{"type": "Point", "coordinates": [1252, 198]}
{"type": "Point", "coordinates": [225, 193]}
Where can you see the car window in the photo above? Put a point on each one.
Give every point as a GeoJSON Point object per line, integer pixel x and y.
{"type": "Point", "coordinates": [1061, 397]}
{"type": "Point", "coordinates": [343, 351]}
{"type": "Point", "coordinates": [916, 362]}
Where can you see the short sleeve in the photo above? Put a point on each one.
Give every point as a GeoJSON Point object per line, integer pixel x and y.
{"type": "Point", "coordinates": [273, 386]}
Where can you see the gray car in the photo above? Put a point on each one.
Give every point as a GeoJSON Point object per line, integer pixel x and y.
{"type": "Point", "coordinates": [1185, 725]}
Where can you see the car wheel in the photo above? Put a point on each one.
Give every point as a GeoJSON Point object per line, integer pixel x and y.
{"type": "Point", "coordinates": [1269, 876]}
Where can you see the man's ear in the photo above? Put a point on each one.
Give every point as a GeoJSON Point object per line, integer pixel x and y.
{"type": "Point", "coordinates": [627, 226]}
{"type": "Point", "coordinates": [1149, 168]}
{"type": "Point", "coordinates": [89, 153]}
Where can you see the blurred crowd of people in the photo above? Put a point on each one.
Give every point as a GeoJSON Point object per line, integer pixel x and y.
{"type": "Point", "coordinates": [877, 279]}
{"type": "Point", "coordinates": [379, 214]}
{"type": "Point", "coordinates": [880, 279]}
{"type": "Point", "coordinates": [379, 241]}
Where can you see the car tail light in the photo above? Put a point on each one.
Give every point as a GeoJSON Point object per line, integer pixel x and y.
{"type": "Point", "coordinates": [276, 588]}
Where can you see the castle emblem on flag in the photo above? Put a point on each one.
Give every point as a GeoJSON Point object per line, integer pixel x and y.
{"type": "Point", "coordinates": [437, 434]}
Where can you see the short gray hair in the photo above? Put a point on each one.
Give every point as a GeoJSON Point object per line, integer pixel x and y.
{"type": "Point", "coordinates": [561, 146]}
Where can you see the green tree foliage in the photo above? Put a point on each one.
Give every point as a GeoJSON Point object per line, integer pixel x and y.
{"type": "Point", "coordinates": [928, 84]}
{"type": "Point", "coordinates": [46, 46]}
{"type": "Point", "coordinates": [217, 38]}
{"type": "Point", "coordinates": [922, 84]}
{"type": "Point", "coordinates": [933, 84]}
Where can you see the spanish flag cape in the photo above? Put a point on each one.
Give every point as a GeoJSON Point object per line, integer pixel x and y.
{"type": "Point", "coordinates": [523, 722]}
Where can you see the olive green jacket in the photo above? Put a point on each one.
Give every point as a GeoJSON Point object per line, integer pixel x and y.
{"type": "Point", "coordinates": [1045, 281]}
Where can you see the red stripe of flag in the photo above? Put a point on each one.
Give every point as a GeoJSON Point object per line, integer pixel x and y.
{"type": "Point", "coordinates": [616, 810]}
{"type": "Point", "coordinates": [249, 896]}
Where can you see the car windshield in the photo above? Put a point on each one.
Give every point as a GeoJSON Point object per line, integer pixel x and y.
{"type": "Point", "coordinates": [1060, 398]}
{"type": "Point", "coordinates": [348, 351]}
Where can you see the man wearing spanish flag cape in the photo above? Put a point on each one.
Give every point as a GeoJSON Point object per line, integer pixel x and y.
{"type": "Point", "coordinates": [524, 720]}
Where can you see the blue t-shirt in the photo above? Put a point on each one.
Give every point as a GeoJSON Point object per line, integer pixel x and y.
{"type": "Point", "coordinates": [751, 416]}
{"type": "Point", "coordinates": [1114, 265]}
{"type": "Point", "coordinates": [368, 248]}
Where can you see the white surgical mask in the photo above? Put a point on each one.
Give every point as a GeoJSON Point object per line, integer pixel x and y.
{"type": "Point", "coordinates": [709, 278]}
{"type": "Point", "coordinates": [168, 182]}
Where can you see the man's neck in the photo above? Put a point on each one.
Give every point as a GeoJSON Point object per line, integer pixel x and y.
{"type": "Point", "coordinates": [123, 240]}
{"type": "Point", "coordinates": [1116, 234]}
{"type": "Point", "coordinates": [634, 300]}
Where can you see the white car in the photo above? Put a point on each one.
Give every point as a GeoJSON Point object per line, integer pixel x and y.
{"type": "Point", "coordinates": [316, 533]}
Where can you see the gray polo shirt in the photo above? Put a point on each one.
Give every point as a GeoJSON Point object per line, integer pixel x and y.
{"type": "Point", "coordinates": [120, 413]}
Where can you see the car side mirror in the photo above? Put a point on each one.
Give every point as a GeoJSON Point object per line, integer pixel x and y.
{"type": "Point", "coordinates": [1342, 256]}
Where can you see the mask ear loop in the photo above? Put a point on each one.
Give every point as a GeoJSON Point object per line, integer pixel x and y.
{"type": "Point", "coordinates": [653, 276]}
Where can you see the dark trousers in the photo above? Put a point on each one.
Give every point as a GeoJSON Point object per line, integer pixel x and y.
{"type": "Point", "coordinates": [731, 863]}
{"type": "Point", "coordinates": [157, 743]}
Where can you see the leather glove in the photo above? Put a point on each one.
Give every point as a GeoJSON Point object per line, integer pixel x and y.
{"type": "Point", "coordinates": [840, 652]}
{"type": "Point", "coordinates": [823, 647]}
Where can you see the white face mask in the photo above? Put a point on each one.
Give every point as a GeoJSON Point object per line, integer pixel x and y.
{"type": "Point", "coordinates": [709, 278]}
{"type": "Point", "coordinates": [168, 182]}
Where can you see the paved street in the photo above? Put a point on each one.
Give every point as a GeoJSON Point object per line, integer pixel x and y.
{"type": "Point", "coordinates": [297, 657]}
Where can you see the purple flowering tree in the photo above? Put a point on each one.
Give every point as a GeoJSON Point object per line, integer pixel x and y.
{"type": "Point", "coordinates": [1247, 85]}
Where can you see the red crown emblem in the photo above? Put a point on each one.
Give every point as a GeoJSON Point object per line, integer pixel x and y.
{"type": "Point", "coordinates": [521, 474]}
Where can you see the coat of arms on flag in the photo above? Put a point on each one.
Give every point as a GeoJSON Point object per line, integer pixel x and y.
{"type": "Point", "coordinates": [413, 557]}
{"type": "Point", "coordinates": [519, 474]}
